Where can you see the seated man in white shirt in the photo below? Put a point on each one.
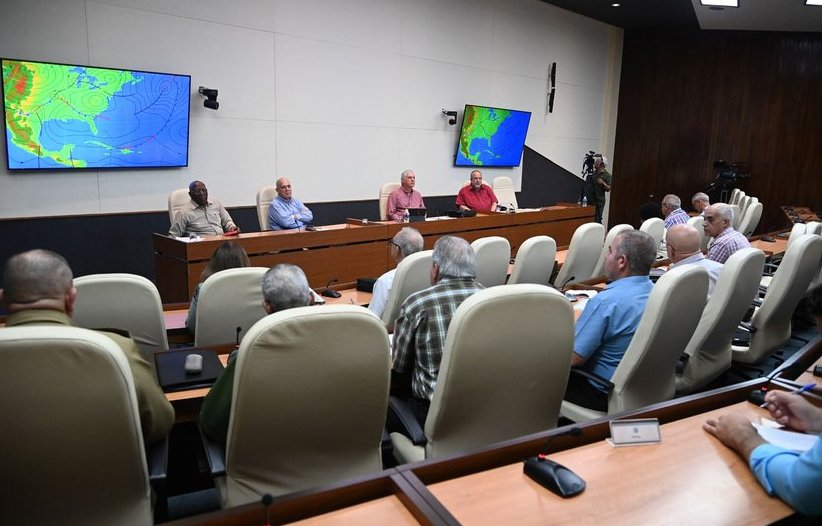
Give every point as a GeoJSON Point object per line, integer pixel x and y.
{"type": "Point", "coordinates": [406, 242]}
{"type": "Point", "coordinates": [683, 246]}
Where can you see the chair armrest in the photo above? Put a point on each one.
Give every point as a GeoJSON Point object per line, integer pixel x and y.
{"type": "Point", "coordinates": [745, 326]}
{"type": "Point", "coordinates": [215, 454]}
{"type": "Point", "coordinates": [756, 302]}
{"type": "Point", "coordinates": [607, 384]}
{"type": "Point", "coordinates": [769, 269]}
{"type": "Point", "coordinates": [157, 460]}
{"type": "Point", "coordinates": [682, 362]}
{"type": "Point", "coordinates": [401, 419]}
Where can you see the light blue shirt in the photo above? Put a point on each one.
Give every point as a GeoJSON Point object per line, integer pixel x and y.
{"type": "Point", "coordinates": [608, 323]}
{"type": "Point", "coordinates": [794, 477]}
{"type": "Point", "coordinates": [286, 215]}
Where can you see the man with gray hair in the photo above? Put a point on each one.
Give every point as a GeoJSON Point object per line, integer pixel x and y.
{"type": "Point", "coordinates": [718, 224]}
{"type": "Point", "coordinates": [674, 214]}
{"type": "Point", "coordinates": [404, 197]}
{"type": "Point", "coordinates": [406, 242]}
{"type": "Point", "coordinates": [38, 290]}
{"type": "Point", "coordinates": [610, 319]}
{"type": "Point", "coordinates": [700, 201]}
{"type": "Point", "coordinates": [284, 287]}
{"type": "Point", "coordinates": [422, 325]}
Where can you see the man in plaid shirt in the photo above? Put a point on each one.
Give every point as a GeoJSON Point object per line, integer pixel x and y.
{"type": "Point", "coordinates": [717, 224]}
{"type": "Point", "coordinates": [674, 214]}
{"type": "Point", "coordinates": [422, 325]}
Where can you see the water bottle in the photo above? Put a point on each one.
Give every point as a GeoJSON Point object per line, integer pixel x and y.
{"type": "Point", "coordinates": [585, 201]}
{"type": "Point", "coordinates": [405, 216]}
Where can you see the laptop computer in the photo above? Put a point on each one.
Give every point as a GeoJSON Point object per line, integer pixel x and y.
{"type": "Point", "coordinates": [416, 214]}
{"type": "Point", "coordinates": [171, 369]}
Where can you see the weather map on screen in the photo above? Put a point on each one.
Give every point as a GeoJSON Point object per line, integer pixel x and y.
{"type": "Point", "coordinates": [491, 136]}
{"type": "Point", "coordinates": [66, 116]}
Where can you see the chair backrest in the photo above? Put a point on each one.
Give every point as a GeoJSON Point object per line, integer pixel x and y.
{"type": "Point", "coordinates": [737, 215]}
{"type": "Point", "coordinates": [798, 230]}
{"type": "Point", "coordinates": [72, 446]}
{"type": "Point", "coordinates": [646, 373]}
{"type": "Point", "coordinates": [738, 199]}
{"type": "Point", "coordinates": [264, 197]}
{"type": "Point", "coordinates": [743, 206]}
{"type": "Point", "coordinates": [599, 269]}
{"type": "Point", "coordinates": [490, 389]}
{"type": "Point", "coordinates": [654, 227]}
{"type": "Point", "coordinates": [535, 261]}
{"type": "Point", "coordinates": [813, 227]}
{"type": "Point", "coordinates": [503, 188]}
{"type": "Point", "coordinates": [122, 301]}
{"type": "Point", "coordinates": [413, 275]}
{"type": "Point", "coordinates": [308, 406]}
{"type": "Point", "coordinates": [229, 299]}
{"type": "Point", "coordinates": [751, 219]}
{"type": "Point", "coordinates": [709, 349]}
{"type": "Point", "coordinates": [177, 200]}
{"type": "Point", "coordinates": [696, 222]}
{"type": "Point", "coordinates": [734, 196]}
{"type": "Point", "coordinates": [493, 254]}
{"type": "Point", "coordinates": [772, 320]}
{"type": "Point", "coordinates": [385, 191]}
{"type": "Point", "coordinates": [586, 245]}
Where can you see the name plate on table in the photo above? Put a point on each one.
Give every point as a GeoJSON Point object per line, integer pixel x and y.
{"type": "Point", "coordinates": [634, 432]}
{"type": "Point", "coordinates": [171, 369]}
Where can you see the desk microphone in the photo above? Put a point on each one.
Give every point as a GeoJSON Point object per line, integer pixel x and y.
{"type": "Point", "coordinates": [239, 330]}
{"type": "Point", "coordinates": [512, 208]}
{"type": "Point", "coordinates": [553, 476]}
{"type": "Point", "coordinates": [266, 501]}
{"type": "Point", "coordinates": [572, 278]}
{"type": "Point", "coordinates": [330, 293]}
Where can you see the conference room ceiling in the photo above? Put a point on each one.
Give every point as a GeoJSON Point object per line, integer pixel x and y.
{"type": "Point", "coordinates": [751, 15]}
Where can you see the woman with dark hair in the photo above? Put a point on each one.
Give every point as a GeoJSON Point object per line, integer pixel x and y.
{"type": "Point", "coordinates": [228, 255]}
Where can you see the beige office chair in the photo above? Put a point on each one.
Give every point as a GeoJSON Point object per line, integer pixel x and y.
{"type": "Point", "coordinates": [737, 212]}
{"type": "Point", "coordinates": [743, 206]}
{"type": "Point", "coordinates": [176, 201]}
{"type": "Point", "coordinates": [697, 222]}
{"type": "Point", "coordinates": [413, 275]}
{"type": "Point", "coordinates": [770, 325]}
{"type": "Point", "coordinates": [385, 191]}
{"type": "Point", "coordinates": [493, 255]}
{"type": "Point", "coordinates": [309, 402]}
{"type": "Point", "coordinates": [751, 219]}
{"type": "Point", "coordinates": [72, 449]}
{"type": "Point", "coordinates": [503, 188]}
{"type": "Point", "coordinates": [813, 227]}
{"type": "Point", "coordinates": [599, 269]}
{"type": "Point", "coordinates": [734, 196]}
{"type": "Point", "coordinates": [122, 301]}
{"type": "Point", "coordinates": [492, 388]}
{"type": "Point", "coordinates": [709, 350]}
{"type": "Point", "coordinates": [229, 299]}
{"type": "Point", "coordinates": [535, 261]}
{"type": "Point", "coordinates": [583, 252]}
{"type": "Point", "coordinates": [645, 375]}
{"type": "Point", "coordinates": [264, 197]}
{"type": "Point", "coordinates": [739, 195]}
{"type": "Point", "coordinates": [654, 227]}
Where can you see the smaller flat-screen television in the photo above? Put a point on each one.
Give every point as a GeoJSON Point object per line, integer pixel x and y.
{"type": "Point", "coordinates": [61, 116]}
{"type": "Point", "coordinates": [491, 136]}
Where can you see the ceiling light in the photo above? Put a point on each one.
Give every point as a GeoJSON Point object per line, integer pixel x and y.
{"type": "Point", "coordinates": [617, 4]}
{"type": "Point", "coordinates": [720, 3]}
{"type": "Point", "coordinates": [813, 2]}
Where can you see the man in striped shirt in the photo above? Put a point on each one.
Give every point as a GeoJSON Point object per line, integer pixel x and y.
{"type": "Point", "coordinates": [717, 224]}
{"type": "Point", "coordinates": [674, 214]}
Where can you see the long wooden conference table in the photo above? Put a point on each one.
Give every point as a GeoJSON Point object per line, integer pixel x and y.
{"type": "Point", "coordinates": [687, 478]}
{"type": "Point", "coordinates": [357, 249]}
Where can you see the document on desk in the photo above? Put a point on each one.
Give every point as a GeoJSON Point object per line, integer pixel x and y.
{"type": "Point", "coordinates": [784, 438]}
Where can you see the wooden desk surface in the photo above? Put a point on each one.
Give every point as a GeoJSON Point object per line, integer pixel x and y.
{"type": "Point", "coordinates": [778, 245]}
{"type": "Point", "coordinates": [387, 510]}
{"type": "Point", "coordinates": [689, 478]}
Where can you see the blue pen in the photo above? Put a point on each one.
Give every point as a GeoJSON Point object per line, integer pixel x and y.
{"type": "Point", "coordinates": [798, 390]}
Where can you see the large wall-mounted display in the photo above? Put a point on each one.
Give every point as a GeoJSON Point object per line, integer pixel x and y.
{"type": "Point", "coordinates": [491, 136]}
{"type": "Point", "coordinates": [61, 116]}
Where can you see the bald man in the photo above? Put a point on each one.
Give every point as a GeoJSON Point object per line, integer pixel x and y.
{"type": "Point", "coordinates": [683, 246]}
{"type": "Point", "coordinates": [201, 216]}
{"type": "Point", "coordinates": [287, 212]}
{"type": "Point", "coordinates": [38, 290]}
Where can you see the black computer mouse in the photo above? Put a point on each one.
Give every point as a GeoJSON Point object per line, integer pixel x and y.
{"type": "Point", "coordinates": [553, 476]}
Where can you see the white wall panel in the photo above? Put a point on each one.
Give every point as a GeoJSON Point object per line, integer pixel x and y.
{"type": "Point", "coordinates": [251, 14]}
{"type": "Point", "coordinates": [44, 30]}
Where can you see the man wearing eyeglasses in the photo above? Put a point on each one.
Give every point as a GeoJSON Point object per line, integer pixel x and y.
{"type": "Point", "coordinates": [718, 224]}
{"type": "Point", "coordinates": [406, 242]}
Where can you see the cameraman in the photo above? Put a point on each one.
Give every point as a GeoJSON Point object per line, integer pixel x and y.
{"type": "Point", "coordinates": [601, 184]}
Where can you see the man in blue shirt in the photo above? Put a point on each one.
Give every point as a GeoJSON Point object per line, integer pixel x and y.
{"type": "Point", "coordinates": [609, 321]}
{"type": "Point", "coordinates": [286, 212]}
{"type": "Point", "coordinates": [792, 476]}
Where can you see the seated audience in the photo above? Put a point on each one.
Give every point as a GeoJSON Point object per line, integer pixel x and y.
{"type": "Point", "coordinates": [422, 325]}
{"type": "Point", "coordinates": [674, 215]}
{"type": "Point", "coordinates": [610, 319]}
{"type": "Point", "coordinates": [477, 195]}
{"type": "Point", "coordinates": [202, 216]}
{"type": "Point", "coordinates": [700, 201]}
{"type": "Point", "coordinates": [284, 287]}
{"type": "Point", "coordinates": [404, 197]}
{"type": "Point", "coordinates": [683, 245]}
{"type": "Point", "coordinates": [406, 242]}
{"type": "Point", "coordinates": [38, 290]}
{"type": "Point", "coordinates": [228, 255]}
{"type": "Point", "coordinates": [790, 475]}
{"type": "Point", "coordinates": [717, 224]}
{"type": "Point", "coordinates": [287, 212]}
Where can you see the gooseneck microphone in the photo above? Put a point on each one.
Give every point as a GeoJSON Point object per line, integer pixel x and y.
{"type": "Point", "coordinates": [330, 293]}
{"type": "Point", "coordinates": [266, 501]}
{"type": "Point", "coordinates": [567, 281]}
{"type": "Point", "coordinates": [237, 337]}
